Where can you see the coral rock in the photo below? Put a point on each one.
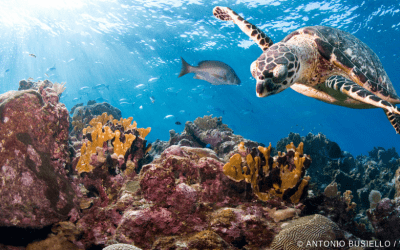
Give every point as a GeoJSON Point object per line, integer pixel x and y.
{"type": "Point", "coordinates": [35, 191]}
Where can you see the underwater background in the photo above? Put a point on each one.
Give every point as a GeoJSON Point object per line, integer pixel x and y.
{"type": "Point", "coordinates": [133, 48]}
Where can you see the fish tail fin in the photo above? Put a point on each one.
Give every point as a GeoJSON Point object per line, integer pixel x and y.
{"type": "Point", "coordinates": [186, 68]}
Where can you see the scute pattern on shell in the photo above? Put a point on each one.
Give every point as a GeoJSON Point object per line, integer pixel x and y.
{"type": "Point", "coordinates": [363, 58]}
{"type": "Point", "coordinates": [306, 229]}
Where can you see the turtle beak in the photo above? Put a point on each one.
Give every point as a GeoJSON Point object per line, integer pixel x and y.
{"type": "Point", "coordinates": [267, 87]}
{"type": "Point", "coordinates": [259, 88]}
{"type": "Point", "coordinates": [262, 87]}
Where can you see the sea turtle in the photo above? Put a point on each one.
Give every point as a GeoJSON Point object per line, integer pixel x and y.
{"type": "Point", "coordinates": [325, 63]}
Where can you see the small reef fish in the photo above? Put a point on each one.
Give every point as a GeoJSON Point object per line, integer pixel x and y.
{"type": "Point", "coordinates": [214, 72]}
{"type": "Point", "coordinates": [100, 100]}
{"type": "Point", "coordinates": [84, 90]}
{"type": "Point", "coordinates": [178, 123]}
{"type": "Point", "coordinates": [101, 86]}
{"type": "Point", "coordinates": [52, 68]}
{"type": "Point", "coordinates": [126, 104]}
{"type": "Point", "coordinates": [153, 79]}
{"type": "Point", "coordinates": [32, 55]}
{"type": "Point", "coordinates": [152, 99]}
{"type": "Point", "coordinates": [30, 79]}
{"type": "Point", "coordinates": [140, 86]}
{"type": "Point", "coordinates": [46, 74]}
{"type": "Point", "coordinates": [168, 116]}
{"type": "Point", "coordinates": [7, 70]}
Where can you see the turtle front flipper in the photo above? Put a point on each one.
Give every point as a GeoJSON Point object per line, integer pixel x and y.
{"type": "Point", "coordinates": [394, 120]}
{"type": "Point", "coordinates": [226, 14]}
{"type": "Point", "coordinates": [355, 91]}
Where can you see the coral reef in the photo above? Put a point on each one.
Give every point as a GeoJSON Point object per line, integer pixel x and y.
{"type": "Point", "coordinates": [338, 208]}
{"type": "Point", "coordinates": [385, 219]}
{"type": "Point", "coordinates": [359, 174]}
{"type": "Point", "coordinates": [205, 131]}
{"type": "Point", "coordinates": [205, 188]}
{"type": "Point", "coordinates": [177, 198]}
{"type": "Point", "coordinates": [280, 176]}
{"type": "Point", "coordinates": [35, 191]}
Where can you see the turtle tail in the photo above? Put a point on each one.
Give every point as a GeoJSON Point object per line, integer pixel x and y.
{"type": "Point", "coordinates": [186, 68]}
{"type": "Point", "coordinates": [394, 120]}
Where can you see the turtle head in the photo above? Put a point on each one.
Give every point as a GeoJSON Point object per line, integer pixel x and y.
{"type": "Point", "coordinates": [274, 70]}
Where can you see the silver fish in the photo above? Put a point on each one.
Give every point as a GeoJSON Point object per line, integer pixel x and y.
{"type": "Point", "coordinates": [51, 69]}
{"type": "Point", "coordinates": [214, 72]}
{"type": "Point", "coordinates": [101, 86]}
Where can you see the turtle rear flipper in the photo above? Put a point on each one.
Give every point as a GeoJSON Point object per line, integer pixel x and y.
{"type": "Point", "coordinates": [394, 120]}
{"type": "Point", "coordinates": [226, 14]}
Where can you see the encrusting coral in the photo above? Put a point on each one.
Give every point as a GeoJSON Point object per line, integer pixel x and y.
{"type": "Point", "coordinates": [280, 176]}
{"type": "Point", "coordinates": [111, 134]}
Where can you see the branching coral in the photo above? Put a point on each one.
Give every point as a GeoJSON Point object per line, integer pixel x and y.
{"type": "Point", "coordinates": [110, 133]}
{"type": "Point", "coordinates": [280, 176]}
{"type": "Point", "coordinates": [59, 88]}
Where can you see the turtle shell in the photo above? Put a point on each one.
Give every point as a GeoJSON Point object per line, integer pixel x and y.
{"type": "Point", "coordinates": [354, 56]}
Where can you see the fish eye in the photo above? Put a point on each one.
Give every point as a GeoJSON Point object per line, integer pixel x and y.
{"type": "Point", "coordinates": [280, 73]}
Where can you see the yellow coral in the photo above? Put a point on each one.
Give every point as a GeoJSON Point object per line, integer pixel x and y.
{"type": "Point", "coordinates": [119, 147]}
{"type": "Point", "coordinates": [98, 138]}
{"type": "Point", "coordinates": [289, 176]}
{"type": "Point", "coordinates": [233, 168]}
{"type": "Point", "coordinates": [84, 161]}
{"type": "Point", "coordinates": [143, 132]}
{"type": "Point", "coordinates": [103, 119]}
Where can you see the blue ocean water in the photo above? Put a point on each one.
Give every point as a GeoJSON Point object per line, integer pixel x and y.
{"type": "Point", "coordinates": [133, 48]}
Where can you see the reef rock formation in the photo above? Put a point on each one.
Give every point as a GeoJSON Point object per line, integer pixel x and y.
{"type": "Point", "coordinates": [34, 189]}
{"type": "Point", "coordinates": [182, 198]}
{"type": "Point", "coordinates": [82, 115]}
{"type": "Point", "coordinates": [385, 219]}
{"type": "Point", "coordinates": [206, 131]}
{"type": "Point", "coordinates": [360, 174]}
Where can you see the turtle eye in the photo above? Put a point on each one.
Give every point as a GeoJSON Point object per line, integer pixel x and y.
{"type": "Point", "coordinates": [280, 73]}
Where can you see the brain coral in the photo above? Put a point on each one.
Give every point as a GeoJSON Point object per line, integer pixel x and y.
{"type": "Point", "coordinates": [121, 247]}
{"type": "Point", "coordinates": [302, 232]}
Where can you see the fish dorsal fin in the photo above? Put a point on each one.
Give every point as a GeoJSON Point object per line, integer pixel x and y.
{"type": "Point", "coordinates": [202, 62]}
